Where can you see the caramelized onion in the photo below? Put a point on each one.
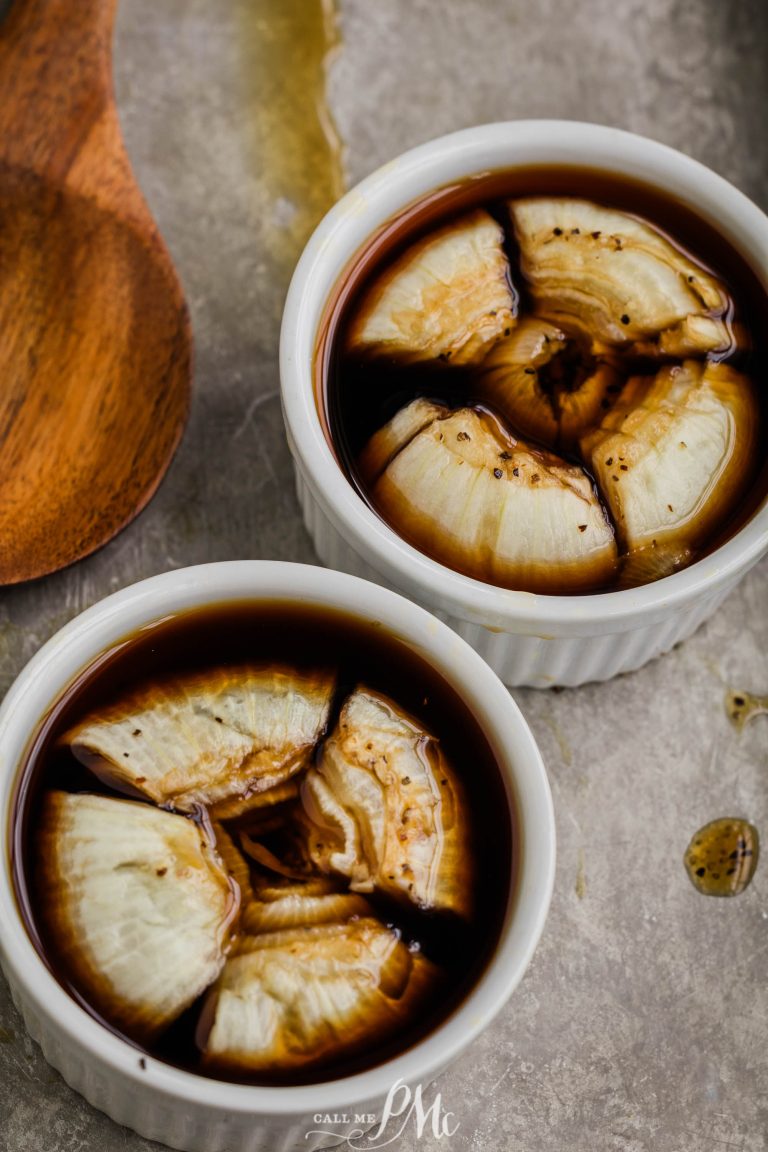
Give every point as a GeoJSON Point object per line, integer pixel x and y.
{"type": "Point", "coordinates": [470, 495]}
{"type": "Point", "coordinates": [138, 904]}
{"type": "Point", "coordinates": [448, 297]}
{"type": "Point", "coordinates": [674, 456]}
{"type": "Point", "coordinates": [291, 998]}
{"type": "Point", "coordinates": [615, 279]}
{"type": "Point", "coordinates": [208, 738]}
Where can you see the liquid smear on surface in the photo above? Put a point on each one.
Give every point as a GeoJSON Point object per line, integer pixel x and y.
{"type": "Point", "coordinates": [743, 707]}
{"type": "Point", "coordinates": [722, 857]}
{"type": "Point", "coordinates": [290, 45]}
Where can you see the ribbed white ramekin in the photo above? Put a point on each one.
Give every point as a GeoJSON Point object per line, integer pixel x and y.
{"type": "Point", "coordinates": [527, 639]}
{"type": "Point", "coordinates": [197, 1113]}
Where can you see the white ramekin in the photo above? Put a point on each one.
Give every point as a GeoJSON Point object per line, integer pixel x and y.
{"type": "Point", "coordinates": [527, 639]}
{"type": "Point", "coordinates": [203, 1115]}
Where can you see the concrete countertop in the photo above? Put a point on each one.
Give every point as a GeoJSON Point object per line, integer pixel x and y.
{"type": "Point", "coordinates": [643, 1021]}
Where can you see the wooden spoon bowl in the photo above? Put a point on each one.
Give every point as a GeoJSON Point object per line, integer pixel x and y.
{"type": "Point", "coordinates": [95, 346]}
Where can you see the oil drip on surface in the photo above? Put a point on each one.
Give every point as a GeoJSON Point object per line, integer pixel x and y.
{"type": "Point", "coordinates": [722, 857]}
{"type": "Point", "coordinates": [743, 707]}
{"type": "Point", "coordinates": [295, 144]}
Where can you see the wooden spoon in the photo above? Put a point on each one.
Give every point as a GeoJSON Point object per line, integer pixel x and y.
{"type": "Point", "coordinates": [95, 345]}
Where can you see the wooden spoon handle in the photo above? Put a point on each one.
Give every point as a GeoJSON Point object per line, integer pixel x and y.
{"type": "Point", "coordinates": [57, 111]}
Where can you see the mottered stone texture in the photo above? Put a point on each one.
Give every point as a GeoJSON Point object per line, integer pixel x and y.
{"type": "Point", "coordinates": [642, 1023]}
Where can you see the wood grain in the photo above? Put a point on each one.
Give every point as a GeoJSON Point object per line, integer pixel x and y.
{"type": "Point", "coordinates": [95, 345]}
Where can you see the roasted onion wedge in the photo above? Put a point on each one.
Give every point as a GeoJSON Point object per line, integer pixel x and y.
{"type": "Point", "coordinates": [254, 805]}
{"type": "Point", "coordinates": [386, 810]}
{"type": "Point", "coordinates": [271, 901]}
{"type": "Point", "coordinates": [384, 445]}
{"type": "Point", "coordinates": [234, 862]}
{"type": "Point", "coordinates": [694, 336]}
{"type": "Point", "coordinates": [547, 385]}
{"type": "Point", "coordinates": [447, 297]}
{"type": "Point", "coordinates": [512, 378]}
{"type": "Point", "coordinates": [474, 498]}
{"type": "Point", "coordinates": [616, 279]}
{"type": "Point", "coordinates": [653, 562]}
{"type": "Point", "coordinates": [299, 997]}
{"type": "Point", "coordinates": [210, 738]}
{"type": "Point", "coordinates": [292, 903]}
{"type": "Point", "coordinates": [675, 455]}
{"type": "Point", "coordinates": [137, 903]}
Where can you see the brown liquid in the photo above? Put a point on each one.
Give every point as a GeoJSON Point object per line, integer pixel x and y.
{"type": "Point", "coordinates": [356, 397]}
{"type": "Point", "coordinates": [722, 857]}
{"type": "Point", "coordinates": [303, 637]}
{"type": "Point", "coordinates": [744, 706]}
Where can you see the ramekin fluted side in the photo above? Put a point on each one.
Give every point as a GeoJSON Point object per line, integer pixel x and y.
{"type": "Point", "coordinates": [156, 1117]}
{"type": "Point", "coordinates": [524, 660]}
{"type": "Point", "coordinates": [528, 639]}
{"type": "Point", "coordinates": [193, 1112]}
{"type": "Point", "coordinates": [544, 662]}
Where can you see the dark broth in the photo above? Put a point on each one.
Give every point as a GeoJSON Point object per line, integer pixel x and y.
{"type": "Point", "coordinates": [356, 396]}
{"type": "Point", "coordinates": [303, 637]}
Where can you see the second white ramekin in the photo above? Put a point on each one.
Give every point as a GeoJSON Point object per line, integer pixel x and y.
{"type": "Point", "coordinates": [193, 1112]}
{"type": "Point", "coordinates": [527, 639]}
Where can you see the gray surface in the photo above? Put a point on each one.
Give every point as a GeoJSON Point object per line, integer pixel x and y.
{"type": "Point", "coordinates": [643, 1020]}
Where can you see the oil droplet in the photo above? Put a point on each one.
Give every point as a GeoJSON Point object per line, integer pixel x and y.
{"type": "Point", "coordinates": [743, 707]}
{"type": "Point", "coordinates": [580, 887]}
{"type": "Point", "coordinates": [565, 749]}
{"type": "Point", "coordinates": [296, 149]}
{"type": "Point", "coordinates": [722, 856]}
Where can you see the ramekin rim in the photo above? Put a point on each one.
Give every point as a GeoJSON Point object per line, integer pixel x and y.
{"type": "Point", "coordinates": [524, 775]}
{"type": "Point", "coordinates": [404, 565]}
